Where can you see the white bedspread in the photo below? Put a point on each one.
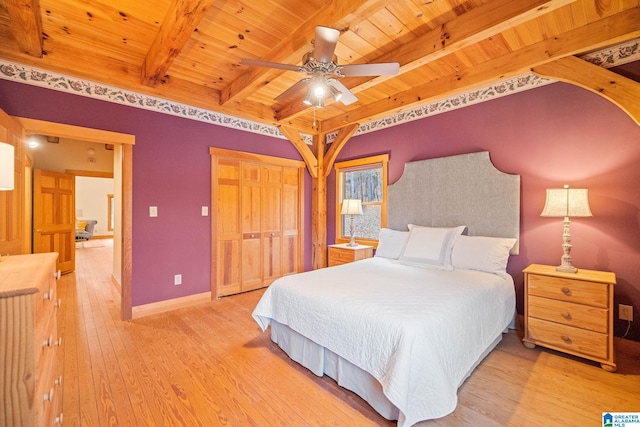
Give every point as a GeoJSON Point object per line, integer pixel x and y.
{"type": "Point", "coordinates": [417, 331]}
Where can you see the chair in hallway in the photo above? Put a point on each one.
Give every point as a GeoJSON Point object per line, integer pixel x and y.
{"type": "Point", "coordinates": [86, 233]}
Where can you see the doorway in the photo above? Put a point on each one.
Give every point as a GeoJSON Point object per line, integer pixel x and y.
{"type": "Point", "coordinates": [123, 166]}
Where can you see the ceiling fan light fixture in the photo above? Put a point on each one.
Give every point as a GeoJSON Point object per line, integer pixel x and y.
{"type": "Point", "coordinates": [321, 64]}
{"type": "Point", "coordinates": [319, 91]}
{"type": "Point", "coordinates": [308, 100]}
{"type": "Point", "coordinates": [335, 93]}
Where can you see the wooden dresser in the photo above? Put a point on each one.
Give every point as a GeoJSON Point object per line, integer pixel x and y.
{"type": "Point", "coordinates": [570, 312]}
{"type": "Point", "coordinates": [31, 392]}
{"type": "Point", "coordinates": [342, 254]}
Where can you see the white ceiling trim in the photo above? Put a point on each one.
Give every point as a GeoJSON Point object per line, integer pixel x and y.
{"type": "Point", "coordinates": [607, 58]}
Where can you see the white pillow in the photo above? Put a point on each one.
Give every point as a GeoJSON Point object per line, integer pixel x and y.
{"type": "Point", "coordinates": [489, 254]}
{"type": "Point", "coordinates": [391, 243]}
{"type": "Point", "coordinates": [430, 246]}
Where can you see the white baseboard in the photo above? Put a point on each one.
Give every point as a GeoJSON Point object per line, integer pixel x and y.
{"type": "Point", "coordinates": [168, 305]}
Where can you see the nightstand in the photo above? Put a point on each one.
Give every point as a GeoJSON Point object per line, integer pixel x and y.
{"type": "Point", "coordinates": [570, 312]}
{"type": "Point", "coordinates": [342, 254]}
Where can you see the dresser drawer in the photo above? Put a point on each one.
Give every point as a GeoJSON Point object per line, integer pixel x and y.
{"type": "Point", "coordinates": [30, 394]}
{"type": "Point", "coordinates": [567, 313]}
{"type": "Point", "coordinates": [571, 290]}
{"type": "Point", "coordinates": [575, 340]}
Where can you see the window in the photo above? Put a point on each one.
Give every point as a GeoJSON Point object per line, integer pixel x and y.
{"type": "Point", "coordinates": [364, 179]}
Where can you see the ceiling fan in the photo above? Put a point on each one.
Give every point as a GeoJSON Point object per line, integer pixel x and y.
{"type": "Point", "coordinates": [321, 66]}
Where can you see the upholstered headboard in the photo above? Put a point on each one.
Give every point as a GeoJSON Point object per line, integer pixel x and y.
{"type": "Point", "coordinates": [458, 190]}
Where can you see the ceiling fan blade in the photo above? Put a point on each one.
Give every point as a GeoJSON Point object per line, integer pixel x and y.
{"type": "Point", "coordinates": [293, 91]}
{"type": "Point", "coordinates": [348, 97]}
{"type": "Point", "coordinates": [361, 70]}
{"type": "Point", "coordinates": [268, 64]}
{"type": "Point", "coordinates": [325, 43]}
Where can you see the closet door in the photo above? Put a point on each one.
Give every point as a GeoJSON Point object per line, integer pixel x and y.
{"type": "Point", "coordinates": [228, 237]}
{"type": "Point", "coordinates": [256, 223]}
{"type": "Point", "coordinates": [291, 182]}
{"type": "Point", "coordinates": [271, 223]}
{"type": "Point", "coordinates": [251, 207]}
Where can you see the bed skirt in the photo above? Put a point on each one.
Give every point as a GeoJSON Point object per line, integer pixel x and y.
{"type": "Point", "coordinates": [322, 361]}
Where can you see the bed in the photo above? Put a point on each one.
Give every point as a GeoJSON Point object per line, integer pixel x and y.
{"type": "Point", "coordinates": [404, 329]}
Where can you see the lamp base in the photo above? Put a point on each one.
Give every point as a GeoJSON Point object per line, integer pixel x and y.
{"type": "Point", "coordinates": [567, 269]}
{"type": "Point", "coordinates": [352, 242]}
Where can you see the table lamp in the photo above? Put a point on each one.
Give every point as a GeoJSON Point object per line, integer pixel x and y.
{"type": "Point", "coordinates": [566, 202]}
{"type": "Point", "coordinates": [351, 207]}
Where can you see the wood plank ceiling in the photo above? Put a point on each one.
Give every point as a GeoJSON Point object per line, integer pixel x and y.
{"type": "Point", "coordinates": [190, 51]}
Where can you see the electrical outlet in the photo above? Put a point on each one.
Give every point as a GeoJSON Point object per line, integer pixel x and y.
{"type": "Point", "coordinates": [177, 279]}
{"type": "Point", "coordinates": [625, 312]}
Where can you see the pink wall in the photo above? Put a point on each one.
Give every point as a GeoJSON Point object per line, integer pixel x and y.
{"type": "Point", "coordinates": [550, 136]}
{"type": "Point", "coordinates": [171, 170]}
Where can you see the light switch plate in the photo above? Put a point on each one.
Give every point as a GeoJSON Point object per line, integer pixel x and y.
{"type": "Point", "coordinates": [153, 211]}
{"type": "Point", "coordinates": [205, 211]}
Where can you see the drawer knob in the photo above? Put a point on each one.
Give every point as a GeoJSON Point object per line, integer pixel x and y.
{"type": "Point", "coordinates": [566, 291]}
{"type": "Point", "coordinates": [48, 396]}
{"type": "Point", "coordinates": [58, 381]}
{"type": "Point", "coordinates": [252, 236]}
{"type": "Point", "coordinates": [566, 339]}
{"type": "Point", "coordinates": [48, 295]}
{"type": "Point", "coordinates": [58, 342]}
{"type": "Point", "coordinates": [48, 343]}
{"type": "Point", "coordinates": [57, 274]}
{"type": "Point", "coordinates": [566, 315]}
{"type": "Point", "coordinates": [57, 303]}
{"type": "Point", "coordinates": [58, 419]}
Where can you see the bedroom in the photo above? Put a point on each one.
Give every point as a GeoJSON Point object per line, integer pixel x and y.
{"type": "Point", "coordinates": [549, 135]}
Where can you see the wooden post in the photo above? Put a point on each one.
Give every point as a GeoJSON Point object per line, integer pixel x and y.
{"type": "Point", "coordinates": [319, 167]}
{"type": "Point", "coordinates": [319, 206]}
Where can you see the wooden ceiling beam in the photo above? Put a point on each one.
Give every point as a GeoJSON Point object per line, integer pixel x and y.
{"type": "Point", "coordinates": [472, 27]}
{"type": "Point", "coordinates": [305, 152]}
{"type": "Point", "coordinates": [26, 25]}
{"type": "Point", "coordinates": [333, 13]}
{"type": "Point", "coordinates": [611, 30]}
{"type": "Point", "coordinates": [618, 89]}
{"type": "Point", "coordinates": [337, 145]}
{"type": "Point", "coordinates": [178, 25]}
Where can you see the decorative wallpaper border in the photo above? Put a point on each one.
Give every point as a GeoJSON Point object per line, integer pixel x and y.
{"type": "Point", "coordinates": [618, 55]}
{"type": "Point", "coordinates": [614, 56]}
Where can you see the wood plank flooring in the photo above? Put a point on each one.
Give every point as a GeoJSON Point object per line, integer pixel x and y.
{"type": "Point", "coordinates": [211, 366]}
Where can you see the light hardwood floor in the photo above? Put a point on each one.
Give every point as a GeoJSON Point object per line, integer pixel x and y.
{"type": "Point", "coordinates": [210, 365]}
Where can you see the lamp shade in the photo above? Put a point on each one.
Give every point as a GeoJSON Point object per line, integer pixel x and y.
{"type": "Point", "coordinates": [567, 202]}
{"type": "Point", "coordinates": [7, 162]}
{"type": "Point", "coordinates": [351, 207]}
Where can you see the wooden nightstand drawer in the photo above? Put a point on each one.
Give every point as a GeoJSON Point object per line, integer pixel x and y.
{"type": "Point", "coordinates": [342, 254]}
{"type": "Point", "coordinates": [571, 290]}
{"type": "Point", "coordinates": [563, 337]}
{"type": "Point", "coordinates": [581, 316]}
